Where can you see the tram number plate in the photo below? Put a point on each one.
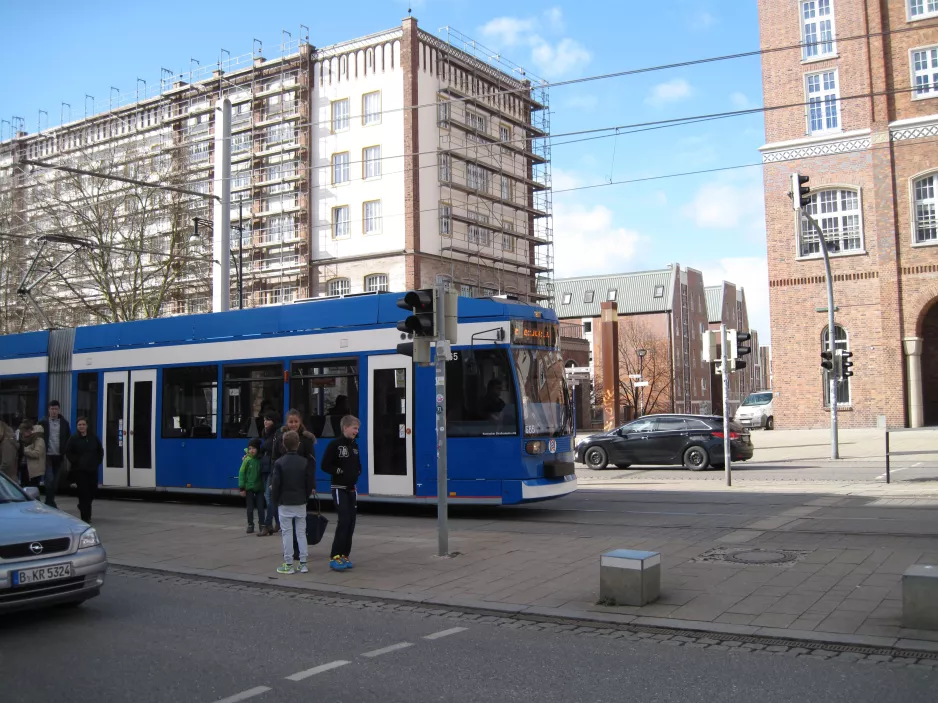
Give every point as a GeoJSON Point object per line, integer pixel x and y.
{"type": "Point", "coordinates": [24, 577]}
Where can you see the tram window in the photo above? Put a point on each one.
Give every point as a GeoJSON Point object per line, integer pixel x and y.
{"type": "Point", "coordinates": [480, 394]}
{"type": "Point", "coordinates": [324, 391]}
{"type": "Point", "coordinates": [190, 402]}
{"type": "Point", "coordinates": [249, 393]}
{"type": "Point", "coordinates": [87, 401]}
{"type": "Point", "coordinates": [19, 400]}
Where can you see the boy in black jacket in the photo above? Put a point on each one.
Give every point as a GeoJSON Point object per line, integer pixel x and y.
{"type": "Point", "coordinates": [343, 462]}
{"type": "Point", "coordinates": [291, 483]}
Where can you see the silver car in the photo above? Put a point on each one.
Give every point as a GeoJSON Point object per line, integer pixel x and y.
{"type": "Point", "coordinates": [47, 557]}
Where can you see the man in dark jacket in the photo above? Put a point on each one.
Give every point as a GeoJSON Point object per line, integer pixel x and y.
{"type": "Point", "coordinates": [57, 433]}
{"type": "Point", "coordinates": [85, 454]}
{"type": "Point", "coordinates": [291, 482]}
{"type": "Point", "coordinates": [343, 462]}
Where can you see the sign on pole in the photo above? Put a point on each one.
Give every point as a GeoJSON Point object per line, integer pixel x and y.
{"type": "Point", "coordinates": [640, 384]}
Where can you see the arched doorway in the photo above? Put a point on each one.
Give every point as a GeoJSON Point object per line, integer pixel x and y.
{"type": "Point", "coordinates": [929, 336]}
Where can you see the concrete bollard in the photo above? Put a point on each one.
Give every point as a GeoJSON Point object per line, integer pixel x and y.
{"type": "Point", "coordinates": [629, 577]}
{"type": "Point", "coordinates": [920, 597]}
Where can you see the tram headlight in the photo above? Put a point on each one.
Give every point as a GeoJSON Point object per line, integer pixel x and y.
{"type": "Point", "coordinates": [537, 446]}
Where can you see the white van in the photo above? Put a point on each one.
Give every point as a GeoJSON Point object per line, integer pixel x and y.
{"type": "Point", "coordinates": [756, 411]}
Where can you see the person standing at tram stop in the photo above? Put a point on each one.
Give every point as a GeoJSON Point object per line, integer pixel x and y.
{"type": "Point", "coordinates": [293, 479]}
{"type": "Point", "coordinates": [32, 453]}
{"type": "Point", "coordinates": [343, 462]}
{"type": "Point", "coordinates": [8, 451]}
{"type": "Point", "coordinates": [306, 449]}
{"type": "Point", "coordinates": [85, 454]}
{"type": "Point", "coordinates": [57, 433]}
{"type": "Point", "coordinates": [251, 484]}
{"type": "Point", "coordinates": [267, 465]}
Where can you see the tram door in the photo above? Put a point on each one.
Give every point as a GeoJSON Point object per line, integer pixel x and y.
{"type": "Point", "coordinates": [129, 428]}
{"type": "Point", "coordinates": [390, 426]}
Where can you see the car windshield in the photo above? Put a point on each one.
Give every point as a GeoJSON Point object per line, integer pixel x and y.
{"type": "Point", "coordinates": [545, 402]}
{"type": "Point", "coordinates": [758, 399]}
{"type": "Point", "coordinates": [9, 492]}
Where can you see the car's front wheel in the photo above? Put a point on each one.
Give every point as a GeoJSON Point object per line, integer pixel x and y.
{"type": "Point", "coordinates": [696, 459]}
{"type": "Point", "coordinates": [596, 458]}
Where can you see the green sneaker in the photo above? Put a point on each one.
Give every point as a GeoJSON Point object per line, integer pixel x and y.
{"type": "Point", "coordinates": [303, 568]}
{"type": "Point", "coordinates": [286, 569]}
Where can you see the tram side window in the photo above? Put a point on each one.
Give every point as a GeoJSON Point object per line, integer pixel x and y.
{"type": "Point", "coordinates": [480, 394]}
{"type": "Point", "coordinates": [249, 393]}
{"type": "Point", "coordinates": [190, 402]}
{"type": "Point", "coordinates": [324, 391]}
{"type": "Point", "coordinates": [19, 400]}
{"type": "Point", "coordinates": [87, 401]}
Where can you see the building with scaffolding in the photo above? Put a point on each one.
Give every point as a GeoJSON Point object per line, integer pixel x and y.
{"type": "Point", "coordinates": [387, 162]}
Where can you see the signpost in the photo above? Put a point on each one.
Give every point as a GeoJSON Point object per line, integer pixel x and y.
{"type": "Point", "coordinates": [576, 374]}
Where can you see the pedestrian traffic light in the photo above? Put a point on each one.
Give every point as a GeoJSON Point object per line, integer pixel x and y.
{"type": "Point", "coordinates": [800, 193]}
{"type": "Point", "coordinates": [845, 364]}
{"type": "Point", "coordinates": [827, 361]}
{"type": "Point", "coordinates": [422, 323]}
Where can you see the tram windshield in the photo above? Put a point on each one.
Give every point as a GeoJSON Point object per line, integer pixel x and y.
{"type": "Point", "coordinates": [545, 401]}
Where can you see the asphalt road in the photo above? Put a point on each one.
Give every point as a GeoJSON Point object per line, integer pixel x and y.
{"type": "Point", "coordinates": [146, 640]}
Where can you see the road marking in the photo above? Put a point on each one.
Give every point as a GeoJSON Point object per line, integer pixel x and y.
{"type": "Point", "coordinates": [300, 675]}
{"type": "Point", "coordinates": [385, 650]}
{"type": "Point", "coordinates": [244, 695]}
{"type": "Point", "coordinates": [445, 633]}
{"type": "Point", "coordinates": [892, 471]}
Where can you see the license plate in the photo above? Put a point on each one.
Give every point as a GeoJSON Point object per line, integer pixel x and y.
{"type": "Point", "coordinates": [24, 577]}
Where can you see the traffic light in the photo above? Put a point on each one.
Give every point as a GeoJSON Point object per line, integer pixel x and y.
{"type": "Point", "coordinates": [737, 348]}
{"type": "Point", "coordinates": [827, 361]}
{"type": "Point", "coordinates": [844, 364]}
{"type": "Point", "coordinates": [419, 350]}
{"type": "Point", "coordinates": [422, 323]}
{"type": "Point", "coordinates": [709, 344]}
{"type": "Point", "coordinates": [800, 193]}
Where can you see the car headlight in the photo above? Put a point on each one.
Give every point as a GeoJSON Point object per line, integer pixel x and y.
{"type": "Point", "coordinates": [89, 538]}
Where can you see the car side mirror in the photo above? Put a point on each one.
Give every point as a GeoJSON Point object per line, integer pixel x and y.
{"type": "Point", "coordinates": [31, 492]}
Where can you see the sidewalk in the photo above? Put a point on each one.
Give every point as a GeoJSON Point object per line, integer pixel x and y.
{"type": "Point", "coordinates": [843, 587]}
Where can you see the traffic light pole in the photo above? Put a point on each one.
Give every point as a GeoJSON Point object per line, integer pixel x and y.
{"type": "Point", "coordinates": [725, 380]}
{"type": "Point", "coordinates": [442, 482]}
{"type": "Point", "coordinates": [831, 334]}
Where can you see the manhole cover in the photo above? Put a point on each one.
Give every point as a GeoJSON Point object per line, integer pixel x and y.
{"type": "Point", "coordinates": [760, 556]}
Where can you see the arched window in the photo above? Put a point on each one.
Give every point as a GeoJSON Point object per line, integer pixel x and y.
{"type": "Point", "coordinates": [926, 226]}
{"type": "Point", "coordinates": [841, 343]}
{"type": "Point", "coordinates": [339, 286]}
{"type": "Point", "coordinates": [376, 283]}
{"type": "Point", "coordinates": [837, 210]}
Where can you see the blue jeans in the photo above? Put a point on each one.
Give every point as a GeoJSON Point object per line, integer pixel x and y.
{"type": "Point", "coordinates": [271, 508]}
{"type": "Point", "coordinates": [51, 479]}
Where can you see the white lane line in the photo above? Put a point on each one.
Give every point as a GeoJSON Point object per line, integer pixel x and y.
{"type": "Point", "coordinates": [300, 675]}
{"type": "Point", "coordinates": [244, 695]}
{"type": "Point", "coordinates": [445, 633]}
{"type": "Point", "coordinates": [385, 650]}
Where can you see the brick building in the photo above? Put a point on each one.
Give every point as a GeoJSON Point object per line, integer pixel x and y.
{"type": "Point", "coordinates": [726, 304]}
{"type": "Point", "coordinates": [867, 75]}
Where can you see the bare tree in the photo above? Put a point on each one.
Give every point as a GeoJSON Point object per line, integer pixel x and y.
{"type": "Point", "coordinates": [655, 367]}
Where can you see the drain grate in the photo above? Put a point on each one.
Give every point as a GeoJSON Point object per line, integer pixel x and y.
{"type": "Point", "coordinates": [748, 556]}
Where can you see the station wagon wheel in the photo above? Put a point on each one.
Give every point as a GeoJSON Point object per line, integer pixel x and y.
{"type": "Point", "coordinates": [696, 459]}
{"type": "Point", "coordinates": [770, 423]}
{"type": "Point", "coordinates": [596, 458]}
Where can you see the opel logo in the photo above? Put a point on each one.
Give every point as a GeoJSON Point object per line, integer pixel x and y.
{"type": "Point", "coordinates": [35, 548]}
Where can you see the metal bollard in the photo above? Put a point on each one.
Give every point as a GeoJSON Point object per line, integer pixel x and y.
{"type": "Point", "coordinates": [887, 456]}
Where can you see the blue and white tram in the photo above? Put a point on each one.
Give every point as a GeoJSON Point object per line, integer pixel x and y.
{"type": "Point", "coordinates": [175, 400]}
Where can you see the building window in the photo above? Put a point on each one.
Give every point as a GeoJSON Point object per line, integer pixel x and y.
{"type": "Point", "coordinates": [659, 291]}
{"type": "Point", "coordinates": [339, 115]}
{"type": "Point", "coordinates": [248, 393]}
{"type": "Point", "coordinates": [279, 133]}
{"type": "Point", "coordinates": [588, 296]}
{"type": "Point", "coordinates": [443, 112]}
{"type": "Point", "coordinates": [505, 188]}
{"type": "Point", "coordinates": [925, 72]}
{"type": "Point", "coordinates": [926, 224]}
{"type": "Point", "coordinates": [612, 294]}
{"type": "Point", "coordinates": [339, 286]}
{"type": "Point", "coordinates": [189, 401]}
{"type": "Point", "coordinates": [372, 216]}
{"type": "Point", "coordinates": [340, 168]}
{"type": "Point", "coordinates": [508, 240]}
{"type": "Point", "coordinates": [340, 222]}
{"type": "Point", "coordinates": [504, 134]}
{"type": "Point", "coordinates": [479, 235]}
{"type": "Point", "coordinates": [371, 108]}
{"type": "Point", "coordinates": [476, 177]}
{"type": "Point", "coordinates": [446, 220]}
{"type": "Point", "coordinates": [838, 212]}
{"type": "Point", "coordinates": [446, 167]}
{"type": "Point", "coordinates": [817, 28]}
{"type": "Point", "coordinates": [922, 8]}
{"type": "Point", "coordinates": [240, 142]}
{"type": "Point", "coordinates": [841, 343]}
{"type": "Point", "coordinates": [371, 158]}
{"type": "Point", "coordinates": [477, 122]}
{"type": "Point", "coordinates": [466, 291]}
{"type": "Point", "coordinates": [376, 283]}
{"type": "Point", "coordinates": [588, 327]}
{"type": "Point", "coordinates": [823, 95]}
{"type": "Point", "coordinates": [567, 297]}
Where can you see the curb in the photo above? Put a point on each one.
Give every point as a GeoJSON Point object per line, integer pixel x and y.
{"type": "Point", "coordinates": [566, 614]}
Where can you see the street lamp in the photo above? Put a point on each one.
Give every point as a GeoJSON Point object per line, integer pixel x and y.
{"type": "Point", "coordinates": [641, 389]}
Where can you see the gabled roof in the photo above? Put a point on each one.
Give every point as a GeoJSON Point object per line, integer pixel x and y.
{"type": "Point", "coordinates": [714, 302]}
{"type": "Point", "coordinates": [635, 293]}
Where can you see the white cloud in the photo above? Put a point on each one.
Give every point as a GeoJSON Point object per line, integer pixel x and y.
{"type": "Point", "coordinates": [669, 92]}
{"type": "Point", "coordinates": [752, 274]}
{"type": "Point", "coordinates": [582, 102]}
{"type": "Point", "coordinates": [729, 205]}
{"type": "Point", "coordinates": [562, 180]}
{"type": "Point", "coordinates": [550, 58]}
{"type": "Point", "coordinates": [703, 20]}
{"type": "Point", "coordinates": [587, 242]}
{"type": "Point", "coordinates": [740, 101]}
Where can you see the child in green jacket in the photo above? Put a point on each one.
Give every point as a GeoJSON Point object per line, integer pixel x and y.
{"type": "Point", "coordinates": [252, 484]}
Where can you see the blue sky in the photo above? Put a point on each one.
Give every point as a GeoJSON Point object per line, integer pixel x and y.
{"type": "Point", "coordinates": [714, 223]}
